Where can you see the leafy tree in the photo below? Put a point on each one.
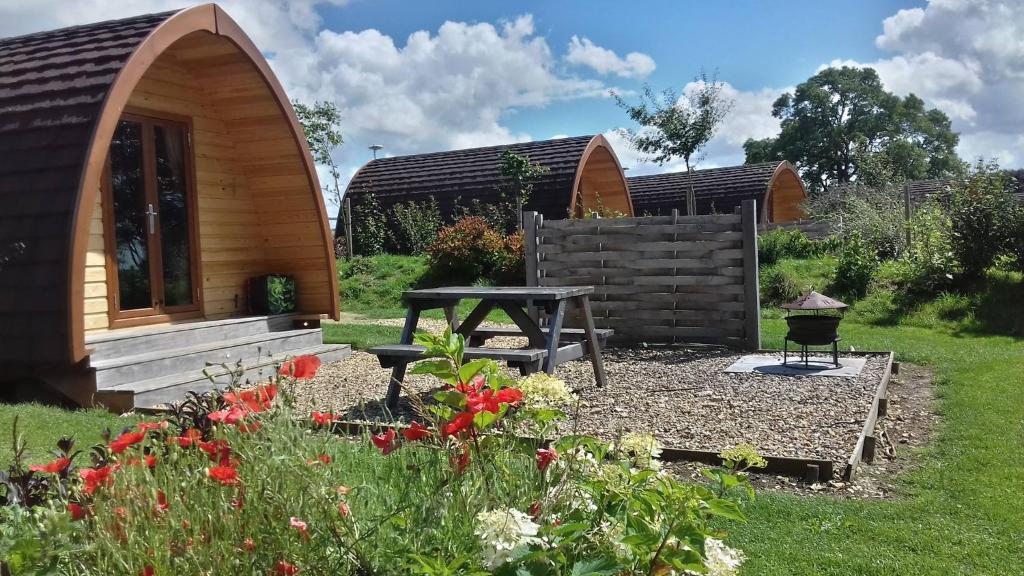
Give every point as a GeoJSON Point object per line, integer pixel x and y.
{"type": "Point", "coordinates": [518, 175]}
{"type": "Point", "coordinates": [841, 116]}
{"type": "Point", "coordinates": [673, 127]}
{"type": "Point", "coordinates": [981, 211]}
{"type": "Point", "coordinates": [322, 124]}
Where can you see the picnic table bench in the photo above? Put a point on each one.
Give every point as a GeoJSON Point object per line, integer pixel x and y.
{"type": "Point", "coordinates": [548, 346]}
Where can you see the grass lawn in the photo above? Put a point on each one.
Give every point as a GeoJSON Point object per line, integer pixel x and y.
{"type": "Point", "coordinates": [361, 336]}
{"type": "Point", "coordinates": [41, 426]}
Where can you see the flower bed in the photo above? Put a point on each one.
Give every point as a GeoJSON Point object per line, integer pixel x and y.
{"type": "Point", "coordinates": [241, 482]}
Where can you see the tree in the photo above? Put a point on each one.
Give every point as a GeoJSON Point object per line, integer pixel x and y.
{"type": "Point", "coordinates": [322, 124]}
{"type": "Point", "coordinates": [518, 175]}
{"type": "Point", "coordinates": [841, 116]}
{"type": "Point", "coordinates": [673, 127]}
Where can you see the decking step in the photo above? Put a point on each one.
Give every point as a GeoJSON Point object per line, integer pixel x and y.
{"type": "Point", "coordinates": [132, 341]}
{"type": "Point", "coordinates": [157, 392]}
{"type": "Point", "coordinates": [170, 361]}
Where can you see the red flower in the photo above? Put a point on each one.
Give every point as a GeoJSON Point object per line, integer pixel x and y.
{"type": "Point", "coordinates": [535, 509]}
{"type": "Point", "coordinates": [249, 545]}
{"type": "Point", "coordinates": [125, 440]}
{"type": "Point", "coordinates": [189, 437]}
{"type": "Point", "coordinates": [147, 571]}
{"type": "Point", "coordinates": [150, 461]}
{"type": "Point", "coordinates": [509, 396]}
{"type": "Point", "coordinates": [230, 415]}
{"type": "Point", "coordinates": [343, 509]}
{"type": "Point", "coordinates": [460, 461]}
{"type": "Point", "coordinates": [96, 477]}
{"type": "Point", "coordinates": [56, 467]}
{"type": "Point", "coordinates": [322, 418]}
{"type": "Point", "coordinates": [416, 431]}
{"type": "Point", "coordinates": [247, 427]}
{"type": "Point", "coordinates": [77, 511]}
{"type": "Point", "coordinates": [545, 456]}
{"type": "Point", "coordinates": [298, 525]}
{"type": "Point", "coordinates": [219, 450]}
{"type": "Point", "coordinates": [386, 441]}
{"type": "Point", "coordinates": [161, 502]}
{"type": "Point", "coordinates": [226, 475]}
{"type": "Point", "coordinates": [285, 569]}
{"type": "Point", "coordinates": [461, 422]}
{"type": "Point", "coordinates": [147, 426]}
{"type": "Point", "coordinates": [256, 399]}
{"type": "Point", "coordinates": [301, 368]}
{"type": "Point", "coordinates": [473, 386]}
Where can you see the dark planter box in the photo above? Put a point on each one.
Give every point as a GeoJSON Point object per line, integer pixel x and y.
{"type": "Point", "coordinates": [272, 294]}
{"type": "Point", "coordinates": [813, 330]}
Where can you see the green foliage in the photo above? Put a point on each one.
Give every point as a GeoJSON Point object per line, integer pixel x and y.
{"type": "Point", "coordinates": [840, 115]}
{"type": "Point", "coordinates": [370, 233]}
{"type": "Point", "coordinates": [518, 175]}
{"type": "Point", "coordinates": [853, 272]}
{"type": "Point", "coordinates": [471, 249]}
{"type": "Point", "coordinates": [367, 284]}
{"type": "Point", "coordinates": [930, 265]}
{"type": "Point", "coordinates": [414, 226]}
{"type": "Point", "coordinates": [1017, 235]}
{"type": "Point", "coordinates": [670, 129]}
{"type": "Point", "coordinates": [875, 214]}
{"type": "Point", "coordinates": [361, 336]}
{"type": "Point", "coordinates": [788, 243]}
{"type": "Point", "coordinates": [778, 286]}
{"type": "Point", "coordinates": [321, 123]}
{"type": "Point", "coordinates": [981, 213]}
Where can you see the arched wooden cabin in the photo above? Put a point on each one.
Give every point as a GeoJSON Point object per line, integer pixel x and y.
{"type": "Point", "coordinates": [149, 168]}
{"type": "Point", "coordinates": [583, 174]}
{"type": "Point", "coordinates": [776, 186]}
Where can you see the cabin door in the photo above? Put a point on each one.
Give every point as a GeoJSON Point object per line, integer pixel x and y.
{"type": "Point", "coordinates": [150, 216]}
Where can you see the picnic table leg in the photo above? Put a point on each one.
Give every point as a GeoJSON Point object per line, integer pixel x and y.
{"type": "Point", "coordinates": [593, 346]}
{"type": "Point", "coordinates": [554, 336]}
{"type": "Point", "coordinates": [452, 317]}
{"type": "Point", "coordinates": [412, 319]}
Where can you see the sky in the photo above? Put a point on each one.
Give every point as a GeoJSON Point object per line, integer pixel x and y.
{"type": "Point", "coordinates": [423, 76]}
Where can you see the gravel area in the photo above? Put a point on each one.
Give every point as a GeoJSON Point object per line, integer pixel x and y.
{"type": "Point", "coordinates": [681, 395]}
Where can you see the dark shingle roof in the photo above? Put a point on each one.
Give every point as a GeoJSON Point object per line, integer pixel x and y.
{"type": "Point", "coordinates": [472, 174]}
{"type": "Point", "coordinates": [52, 88]}
{"type": "Point", "coordinates": [921, 190]}
{"type": "Point", "coordinates": [715, 189]}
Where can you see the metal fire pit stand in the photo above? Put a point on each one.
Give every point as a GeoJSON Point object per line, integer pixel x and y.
{"type": "Point", "coordinates": [806, 330]}
{"type": "Point", "coordinates": [805, 354]}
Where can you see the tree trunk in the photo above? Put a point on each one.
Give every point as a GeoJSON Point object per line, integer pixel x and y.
{"type": "Point", "coordinates": [691, 200]}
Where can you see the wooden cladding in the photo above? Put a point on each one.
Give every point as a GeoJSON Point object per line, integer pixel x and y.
{"type": "Point", "coordinates": [657, 279]}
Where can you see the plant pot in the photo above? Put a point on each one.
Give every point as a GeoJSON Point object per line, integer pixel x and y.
{"type": "Point", "coordinates": [813, 330]}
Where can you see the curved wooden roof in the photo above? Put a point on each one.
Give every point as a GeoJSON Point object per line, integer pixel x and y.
{"type": "Point", "coordinates": [61, 95]}
{"type": "Point", "coordinates": [715, 189]}
{"type": "Point", "coordinates": [473, 173]}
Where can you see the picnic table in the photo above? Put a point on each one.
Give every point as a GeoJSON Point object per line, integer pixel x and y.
{"type": "Point", "coordinates": [548, 346]}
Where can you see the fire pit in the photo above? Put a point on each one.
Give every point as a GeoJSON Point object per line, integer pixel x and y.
{"type": "Point", "coordinates": [815, 329]}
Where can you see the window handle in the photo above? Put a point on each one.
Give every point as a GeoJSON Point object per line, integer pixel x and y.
{"type": "Point", "coordinates": [152, 218]}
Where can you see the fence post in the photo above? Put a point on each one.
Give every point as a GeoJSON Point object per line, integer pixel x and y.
{"type": "Point", "coordinates": [346, 209]}
{"type": "Point", "coordinates": [751, 286]}
{"type": "Point", "coordinates": [675, 272]}
{"type": "Point", "coordinates": [529, 224]}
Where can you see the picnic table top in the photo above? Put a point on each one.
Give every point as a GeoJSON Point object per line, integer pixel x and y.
{"type": "Point", "coordinates": [517, 293]}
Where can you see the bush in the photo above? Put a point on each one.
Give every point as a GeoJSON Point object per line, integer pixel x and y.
{"type": "Point", "coordinates": [783, 243]}
{"type": "Point", "coordinates": [930, 265]}
{"type": "Point", "coordinates": [241, 482]}
{"type": "Point", "coordinates": [369, 227]}
{"type": "Point", "coordinates": [875, 214]}
{"type": "Point", "coordinates": [470, 250]}
{"type": "Point", "coordinates": [1016, 243]}
{"type": "Point", "coordinates": [414, 226]}
{"type": "Point", "coordinates": [981, 216]}
{"type": "Point", "coordinates": [856, 264]}
{"type": "Point", "coordinates": [778, 286]}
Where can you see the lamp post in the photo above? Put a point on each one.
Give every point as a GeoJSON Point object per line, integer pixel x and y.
{"type": "Point", "coordinates": [375, 148]}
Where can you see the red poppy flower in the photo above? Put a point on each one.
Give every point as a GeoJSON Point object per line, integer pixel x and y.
{"type": "Point", "coordinates": [247, 427]}
{"type": "Point", "coordinates": [386, 441]}
{"type": "Point", "coordinates": [461, 422]}
{"type": "Point", "coordinates": [147, 571]}
{"type": "Point", "coordinates": [472, 386]}
{"type": "Point", "coordinates": [150, 461]}
{"type": "Point", "coordinates": [256, 399]}
{"type": "Point", "coordinates": [147, 426]}
{"type": "Point", "coordinates": [125, 440]}
{"type": "Point", "coordinates": [226, 475]}
{"type": "Point", "coordinates": [56, 467]}
{"type": "Point", "coordinates": [343, 509]}
{"type": "Point", "coordinates": [285, 569]}
{"type": "Point", "coordinates": [535, 509]}
{"type": "Point", "coordinates": [460, 461]}
{"type": "Point", "coordinates": [248, 545]}
{"type": "Point", "coordinates": [96, 477]}
{"type": "Point", "coordinates": [298, 525]}
{"type": "Point", "coordinates": [77, 511]}
{"type": "Point", "coordinates": [509, 396]}
{"type": "Point", "coordinates": [189, 437]}
{"type": "Point", "coordinates": [161, 502]}
{"type": "Point", "coordinates": [230, 415]}
{"type": "Point", "coordinates": [416, 431]}
{"type": "Point", "coordinates": [217, 449]}
{"type": "Point", "coordinates": [322, 418]}
{"type": "Point", "coordinates": [545, 456]}
{"type": "Point", "coordinates": [300, 368]}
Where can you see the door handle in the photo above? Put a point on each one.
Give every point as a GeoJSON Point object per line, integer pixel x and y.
{"type": "Point", "coordinates": [151, 213]}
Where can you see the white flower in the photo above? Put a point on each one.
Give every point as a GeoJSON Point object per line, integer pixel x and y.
{"type": "Point", "coordinates": [543, 391]}
{"type": "Point", "coordinates": [721, 560]}
{"type": "Point", "coordinates": [641, 449]}
{"type": "Point", "coordinates": [505, 535]}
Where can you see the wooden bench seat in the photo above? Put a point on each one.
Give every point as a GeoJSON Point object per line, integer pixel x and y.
{"type": "Point", "coordinates": [482, 335]}
{"type": "Point", "coordinates": [528, 360]}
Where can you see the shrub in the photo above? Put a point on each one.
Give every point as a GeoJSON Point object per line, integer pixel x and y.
{"type": "Point", "coordinates": [1016, 243]}
{"type": "Point", "coordinates": [414, 226]}
{"type": "Point", "coordinates": [875, 214]}
{"type": "Point", "coordinates": [783, 243]}
{"type": "Point", "coordinates": [778, 286]}
{"type": "Point", "coordinates": [470, 250]}
{"type": "Point", "coordinates": [369, 227]}
{"type": "Point", "coordinates": [930, 265]}
{"type": "Point", "coordinates": [853, 272]}
{"type": "Point", "coordinates": [239, 482]}
{"type": "Point", "coordinates": [981, 217]}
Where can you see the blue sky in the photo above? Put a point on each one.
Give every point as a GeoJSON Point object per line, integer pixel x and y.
{"type": "Point", "coordinates": [423, 76]}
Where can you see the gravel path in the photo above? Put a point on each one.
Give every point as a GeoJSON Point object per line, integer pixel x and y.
{"type": "Point", "coordinates": [680, 395]}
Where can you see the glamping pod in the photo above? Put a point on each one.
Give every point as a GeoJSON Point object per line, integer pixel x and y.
{"type": "Point", "coordinates": [151, 169]}
{"type": "Point", "coordinates": [583, 174]}
{"type": "Point", "coordinates": [776, 186]}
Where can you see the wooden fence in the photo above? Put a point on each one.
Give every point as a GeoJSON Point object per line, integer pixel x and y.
{"type": "Point", "coordinates": [657, 279]}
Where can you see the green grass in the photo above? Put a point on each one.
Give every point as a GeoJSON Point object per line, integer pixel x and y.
{"type": "Point", "coordinates": [361, 336]}
{"type": "Point", "coordinates": [41, 427]}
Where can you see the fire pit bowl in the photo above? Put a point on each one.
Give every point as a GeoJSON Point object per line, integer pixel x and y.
{"type": "Point", "coordinates": [814, 329]}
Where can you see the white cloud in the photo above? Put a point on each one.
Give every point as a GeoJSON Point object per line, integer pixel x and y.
{"type": "Point", "coordinates": [583, 52]}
